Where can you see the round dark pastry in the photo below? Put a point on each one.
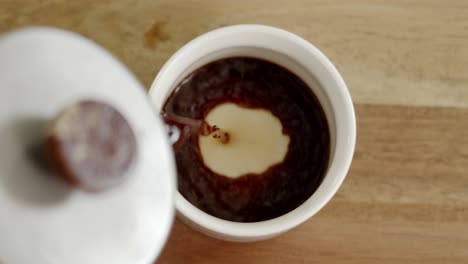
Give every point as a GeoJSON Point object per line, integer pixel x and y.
{"type": "Point", "coordinates": [91, 145]}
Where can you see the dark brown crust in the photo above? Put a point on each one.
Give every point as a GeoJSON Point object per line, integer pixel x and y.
{"type": "Point", "coordinates": [109, 142]}
{"type": "Point", "coordinates": [57, 161]}
{"type": "Point", "coordinates": [255, 84]}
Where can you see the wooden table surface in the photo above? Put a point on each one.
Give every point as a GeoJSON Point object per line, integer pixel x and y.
{"type": "Point", "coordinates": [405, 199]}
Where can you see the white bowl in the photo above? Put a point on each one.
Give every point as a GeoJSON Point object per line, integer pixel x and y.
{"type": "Point", "coordinates": [305, 60]}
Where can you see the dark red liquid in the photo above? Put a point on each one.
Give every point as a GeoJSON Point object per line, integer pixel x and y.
{"type": "Point", "coordinates": [252, 83]}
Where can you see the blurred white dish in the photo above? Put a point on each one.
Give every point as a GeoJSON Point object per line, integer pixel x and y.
{"type": "Point", "coordinates": [43, 220]}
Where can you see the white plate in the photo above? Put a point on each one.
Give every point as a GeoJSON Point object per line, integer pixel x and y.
{"type": "Point", "coordinates": [43, 220]}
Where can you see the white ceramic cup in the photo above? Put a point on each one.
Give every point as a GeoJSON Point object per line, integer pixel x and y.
{"type": "Point", "coordinates": [305, 60]}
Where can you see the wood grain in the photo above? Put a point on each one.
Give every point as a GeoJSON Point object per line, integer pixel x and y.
{"type": "Point", "coordinates": [410, 52]}
{"type": "Point", "coordinates": [406, 196]}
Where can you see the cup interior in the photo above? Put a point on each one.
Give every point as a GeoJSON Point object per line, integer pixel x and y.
{"type": "Point", "coordinates": [272, 56]}
{"type": "Point", "coordinates": [307, 62]}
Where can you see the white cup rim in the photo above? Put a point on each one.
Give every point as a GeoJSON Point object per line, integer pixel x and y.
{"type": "Point", "coordinates": [338, 167]}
